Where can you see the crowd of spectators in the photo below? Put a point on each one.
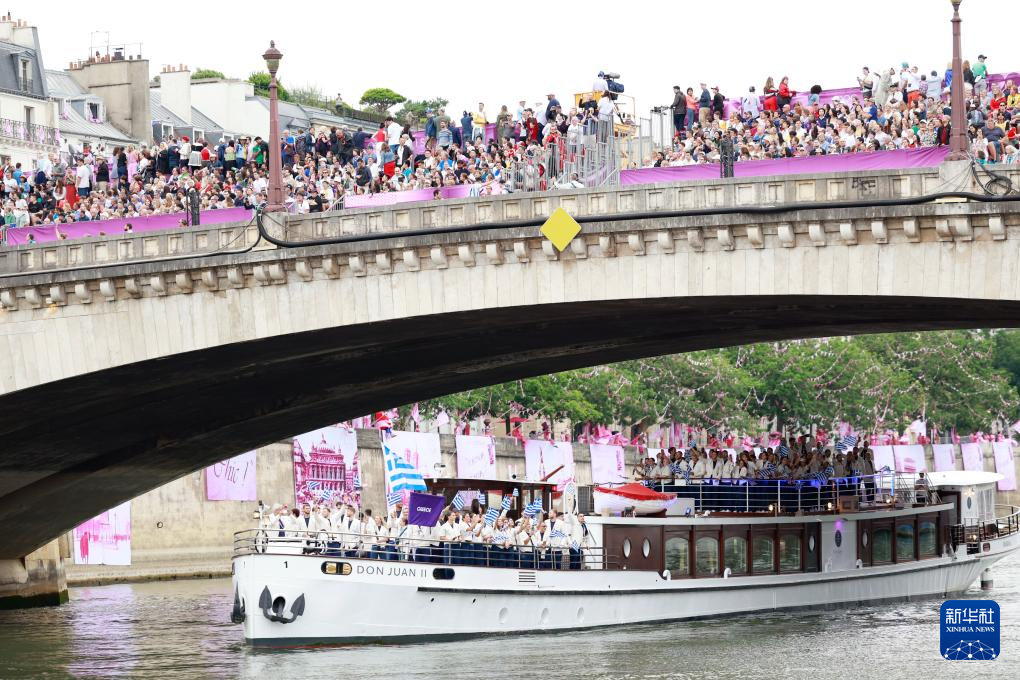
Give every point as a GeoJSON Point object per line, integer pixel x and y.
{"type": "Point", "coordinates": [904, 108]}
{"type": "Point", "coordinates": [901, 109]}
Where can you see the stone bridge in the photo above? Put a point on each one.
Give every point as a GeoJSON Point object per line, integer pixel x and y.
{"type": "Point", "coordinates": [129, 361]}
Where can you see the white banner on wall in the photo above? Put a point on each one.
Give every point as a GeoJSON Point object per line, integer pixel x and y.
{"type": "Point", "coordinates": [476, 457]}
{"type": "Point", "coordinates": [542, 457]}
{"type": "Point", "coordinates": [971, 452]}
{"type": "Point", "coordinates": [883, 457]}
{"type": "Point", "coordinates": [945, 457]}
{"type": "Point", "coordinates": [607, 464]}
{"type": "Point", "coordinates": [910, 458]}
{"type": "Point", "coordinates": [106, 538]}
{"type": "Point", "coordinates": [1004, 465]}
{"type": "Point", "coordinates": [420, 449]}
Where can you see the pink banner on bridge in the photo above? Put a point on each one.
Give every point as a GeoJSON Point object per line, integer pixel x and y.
{"type": "Point", "coordinates": [607, 464]}
{"type": "Point", "coordinates": [476, 457]}
{"type": "Point", "coordinates": [945, 457]}
{"type": "Point", "coordinates": [849, 162]}
{"type": "Point", "coordinates": [910, 458]}
{"type": "Point", "coordinates": [326, 466]}
{"type": "Point", "coordinates": [105, 539]}
{"type": "Point", "coordinates": [395, 197]}
{"type": "Point", "coordinates": [232, 479]}
{"type": "Point", "coordinates": [97, 228]}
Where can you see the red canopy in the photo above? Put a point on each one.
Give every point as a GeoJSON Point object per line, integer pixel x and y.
{"type": "Point", "coordinates": [637, 492]}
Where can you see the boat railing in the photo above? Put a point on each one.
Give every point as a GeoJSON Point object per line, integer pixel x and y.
{"type": "Point", "coordinates": [881, 490]}
{"type": "Point", "coordinates": [974, 534]}
{"type": "Point", "coordinates": [322, 543]}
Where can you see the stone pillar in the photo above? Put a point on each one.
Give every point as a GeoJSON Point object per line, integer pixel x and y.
{"type": "Point", "coordinates": [36, 580]}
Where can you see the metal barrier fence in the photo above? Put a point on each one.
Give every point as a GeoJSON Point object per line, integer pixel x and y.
{"type": "Point", "coordinates": [422, 551]}
{"type": "Point", "coordinates": [587, 159]}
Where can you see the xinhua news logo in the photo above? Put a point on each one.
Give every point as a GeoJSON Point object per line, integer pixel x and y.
{"type": "Point", "coordinates": [969, 630]}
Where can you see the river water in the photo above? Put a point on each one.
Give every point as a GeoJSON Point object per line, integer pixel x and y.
{"type": "Point", "coordinates": [181, 630]}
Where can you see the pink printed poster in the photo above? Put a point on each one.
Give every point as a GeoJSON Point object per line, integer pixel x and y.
{"type": "Point", "coordinates": [1004, 465]}
{"type": "Point", "coordinates": [105, 539]}
{"type": "Point", "coordinates": [945, 457]}
{"type": "Point", "coordinates": [326, 467]}
{"type": "Point", "coordinates": [607, 464]}
{"type": "Point", "coordinates": [910, 458]}
{"type": "Point", "coordinates": [971, 453]}
{"type": "Point", "coordinates": [476, 457]}
{"type": "Point", "coordinates": [421, 450]}
{"type": "Point", "coordinates": [232, 479]}
{"type": "Point", "coordinates": [542, 457]}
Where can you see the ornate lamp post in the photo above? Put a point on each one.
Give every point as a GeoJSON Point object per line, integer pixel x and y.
{"type": "Point", "coordinates": [958, 132]}
{"type": "Point", "coordinates": [275, 202]}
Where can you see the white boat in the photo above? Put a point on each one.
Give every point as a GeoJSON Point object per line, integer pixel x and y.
{"type": "Point", "coordinates": [746, 548]}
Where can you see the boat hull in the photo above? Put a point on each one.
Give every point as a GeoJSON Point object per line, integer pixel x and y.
{"type": "Point", "coordinates": [391, 601]}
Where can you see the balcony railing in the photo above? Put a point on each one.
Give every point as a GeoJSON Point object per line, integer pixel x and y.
{"type": "Point", "coordinates": [29, 132]}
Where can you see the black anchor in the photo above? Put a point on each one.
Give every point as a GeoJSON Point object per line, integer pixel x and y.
{"type": "Point", "coordinates": [274, 609]}
{"type": "Point", "coordinates": [237, 614]}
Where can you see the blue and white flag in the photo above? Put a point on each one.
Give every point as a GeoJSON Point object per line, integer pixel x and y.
{"type": "Point", "coordinates": [783, 450]}
{"type": "Point", "coordinates": [517, 492]}
{"type": "Point", "coordinates": [393, 498]}
{"type": "Point", "coordinates": [357, 482]}
{"type": "Point", "coordinates": [458, 502]}
{"type": "Point", "coordinates": [483, 498]}
{"type": "Point", "coordinates": [556, 533]}
{"type": "Point", "coordinates": [575, 545]}
{"type": "Point", "coordinates": [326, 495]}
{"type": "Point", "coordinates": [313, 485]}
{"type": "Point", "coordinates": [570, 488]}
{"type": "Point", "coordinates": [400, 474]}
{"type": "Point", "coordinates": [819, 477]}
{"type": "Point", "coordinates": [847, 442]}
{"type": "Point", "coordinates": [533, 508]}
{"type": "Point", "coordinates": [505, 505]}
{"type": "Point", "coordinates": [490, 516]}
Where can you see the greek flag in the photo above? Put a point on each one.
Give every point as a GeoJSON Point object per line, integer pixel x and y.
{"type": "Point", "coordinates": [763, 474]}
{"type": "Point", "coordinates": [517, 492]}
{"type": "Point", "coordinates": [499, 538]}
{"type": "Point", "coordinates": [312, 486]}
{"type": "Point", "coordinates": [556, 533]}
{"type": "Point", "coordinates": [819, 477]}
{"type": "Point", "coordinates": [570, 488]}
{"type": "Point", "coordinates": [458, 502]}
{"type": "Point", "coordinates": [490, 515]}
{"type": "Point", "coordinates": [847, 442]}
{"type": "Point", "coordinates": [326, 495]}
{"type": "Point", "coordinates": [505, 505]}
{"type": "Point", "coordinates": [533, 508]}
{"type": "Point", "coordinates": [393, 498]}
{"type": "Point", "coordinates": [400, 474]}
{"type": "Point", "coordinates": [783, 450]}
{"type": "Point", "coordinates": [357, 481]}
{"type": "Point", "coordinates": [482, 498]}
{"type": "Point", "coordinates": [829, 471]}
{"type": "Point", "coordinates": [575, 545]}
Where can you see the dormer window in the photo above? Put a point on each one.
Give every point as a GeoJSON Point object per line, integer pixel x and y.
{"type": "Point", "coordinates": [25, 76]}
{"type": "Point", "coordinates": [95, 112]}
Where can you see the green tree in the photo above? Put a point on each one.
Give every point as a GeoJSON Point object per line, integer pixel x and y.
{"type": "Point", "coordinates": [1007, 355]}
{"type": "Point", "coordinates": [260, 79]}
{"type": "Point", "coordinates": [413, 111]}
{"type": "Point", "coordinates": [381, 98]}
{"type": "Point", "coordinates": [310, 95]}
{"type": "Point", "coordinates": [206, 73]}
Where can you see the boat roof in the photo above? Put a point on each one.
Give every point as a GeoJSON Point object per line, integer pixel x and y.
{"type": "Point", "coordinates": [963, 477]}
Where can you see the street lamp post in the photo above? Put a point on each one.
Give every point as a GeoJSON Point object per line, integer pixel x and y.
{"type": "Point", "coordinates": [275, 202]}
{"type": "Point", "coordinates": [958, 131]}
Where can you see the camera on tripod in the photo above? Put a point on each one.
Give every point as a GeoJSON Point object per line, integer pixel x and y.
{"type": "Point", "coordinates": [615, 88]}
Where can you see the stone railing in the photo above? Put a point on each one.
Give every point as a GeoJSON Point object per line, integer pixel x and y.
{"type": "Point", "coordinates": [705, 194]}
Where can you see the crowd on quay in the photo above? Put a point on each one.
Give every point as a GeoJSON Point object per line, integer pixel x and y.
{"type": "Point", "coordinates": [905, 108]}
{"type": "Point", "coordinates": [463, 536]}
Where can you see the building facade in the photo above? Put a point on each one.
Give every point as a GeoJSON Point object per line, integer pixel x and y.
{"type": "Point", "coordinates": [28, 130]}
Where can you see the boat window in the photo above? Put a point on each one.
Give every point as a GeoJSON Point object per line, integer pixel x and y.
{"type": "Point", "coordinates": [904, 542]}
{"type": "Point", "coordinates": [442, 574]}
{"type": "Point", "coordinates": [646, 547]}
{"type": "Point", "coordinates": [881, 545]}
{"type": "Point", "coordinates": [626, 547]}
{"type": "Point", "coordinates": [707, 557]}
{"type": "Point", "coordinates": [763, 555]}
{"type": "Point", "coordinates": [789, 552]}
{"type": "Point", "coordinates": [678, 557]}
{"type": "Point", "coordinates": [927, 538]}
{"type": "Point", "coordinates": [735, 554]}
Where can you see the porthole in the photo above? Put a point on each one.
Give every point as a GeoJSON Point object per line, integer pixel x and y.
{"type": "Point", "coordinates": [626, 547]}
{"type": "Point", "coordinates": [811, 544]}
{"type": "Point", "coordinates": [646, 547]}
{"type": "Point", "coordinates": [839, 538]}
{"type": "Point", "coordinates": [970, 502]}
{"type": "Point", "coordinates": [864, 538]}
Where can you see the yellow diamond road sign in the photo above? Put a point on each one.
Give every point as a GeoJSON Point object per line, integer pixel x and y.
{"type": "Point", "coordinates": [560, 228]}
